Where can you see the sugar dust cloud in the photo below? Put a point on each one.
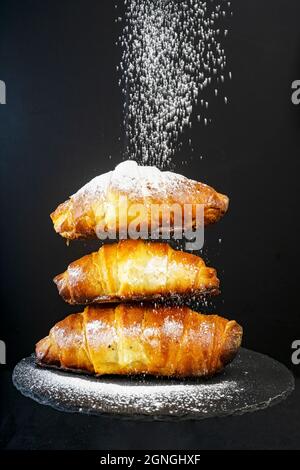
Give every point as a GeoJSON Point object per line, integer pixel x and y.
{"type": "Point", "coordinates": [171, 51]}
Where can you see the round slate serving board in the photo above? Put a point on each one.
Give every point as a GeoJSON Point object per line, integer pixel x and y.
{"type": "Point", "coordinates": [251, 382]}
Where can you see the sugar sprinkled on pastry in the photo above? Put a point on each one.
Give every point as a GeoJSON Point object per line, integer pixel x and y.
{"type": "Point", "coordinates": [98, 200]}
{"type": "Point", "coordinates": [134, 339]}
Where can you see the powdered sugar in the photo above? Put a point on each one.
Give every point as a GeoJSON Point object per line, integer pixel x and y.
{"type": "Point", "coordinates": [98, 187]}
{"type": "Point", "coordinates": [171, 51]}
{"type": "Point", "coordinates": [251, 382]}
{"type": "Point", "coordinates": [130, 178]}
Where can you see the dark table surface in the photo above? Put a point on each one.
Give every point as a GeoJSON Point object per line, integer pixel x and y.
{"type": "Point", "coordinates": [28, 425]}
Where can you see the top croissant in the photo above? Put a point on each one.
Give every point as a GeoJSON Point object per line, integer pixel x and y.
{"type": "Point", "coordinates": [99, 200]}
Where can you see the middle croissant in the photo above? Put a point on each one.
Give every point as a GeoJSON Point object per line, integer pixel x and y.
{"type": "Point", "coordinates": [135, 270]}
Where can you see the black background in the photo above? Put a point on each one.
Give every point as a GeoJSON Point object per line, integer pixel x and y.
{"type": "Point", "coordinates": [61, 126]}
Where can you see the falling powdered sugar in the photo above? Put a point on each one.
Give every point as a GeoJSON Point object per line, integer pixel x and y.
{"type": "Point", "coordinates": [171, 51]}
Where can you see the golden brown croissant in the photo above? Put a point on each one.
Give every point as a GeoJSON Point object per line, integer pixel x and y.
{"type": "Point", "coordinates": [135, 270]}
{"type": "Point", "coordinates": [98, 202]}
{"type": "Point", "coordinates": [129, 339]}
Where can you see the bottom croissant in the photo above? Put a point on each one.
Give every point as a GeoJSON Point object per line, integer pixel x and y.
{"type": "Point", "coordinates": [130, 339]}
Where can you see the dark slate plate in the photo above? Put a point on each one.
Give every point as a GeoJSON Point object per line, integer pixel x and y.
{"type": "Point", "coordinates": [251, 382]}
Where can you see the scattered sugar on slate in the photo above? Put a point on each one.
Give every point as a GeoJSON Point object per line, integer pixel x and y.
{"type": "Point", "coordinates": [145, 395]}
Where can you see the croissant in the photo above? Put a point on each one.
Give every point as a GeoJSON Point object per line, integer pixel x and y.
{"type": "Point", "coordinates": [98, 203]}
{"type": "Point", "coordinates": [129, 339]}
{"type": "Point", "coordinates": [135, 270]}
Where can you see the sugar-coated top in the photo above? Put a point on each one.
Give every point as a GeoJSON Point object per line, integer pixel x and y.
{"type": "Point", "coordinates": [129, 177]}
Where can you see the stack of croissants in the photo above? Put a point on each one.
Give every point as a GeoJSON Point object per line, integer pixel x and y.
{"type": "Point", "coordinates": [132, 322]}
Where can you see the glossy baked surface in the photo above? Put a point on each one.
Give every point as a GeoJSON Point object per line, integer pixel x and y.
{"type": "Point", "coordinates": [130, 339]}
{"type": "Point", "coordinates": [135, 270]}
